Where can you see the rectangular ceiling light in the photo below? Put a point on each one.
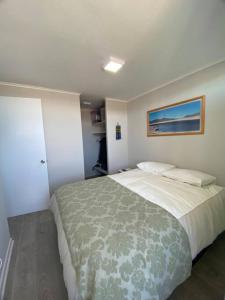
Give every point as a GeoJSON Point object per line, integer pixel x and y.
{"type": "Point", "coordinates": [114, 65]}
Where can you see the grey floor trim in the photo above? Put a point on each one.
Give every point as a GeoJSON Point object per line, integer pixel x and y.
{"type": "Point", "coordinates": [5, 269]}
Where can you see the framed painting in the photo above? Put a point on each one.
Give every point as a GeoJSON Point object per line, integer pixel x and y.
{"type": "Point", "coordinates": [181, 118]}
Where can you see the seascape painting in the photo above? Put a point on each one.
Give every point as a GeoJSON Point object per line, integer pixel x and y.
{"type": "Point", "coordinates": [186, 117]}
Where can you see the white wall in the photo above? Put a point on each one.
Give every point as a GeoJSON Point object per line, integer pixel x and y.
{"type": "Point", "coordinates": [63, 134]}
{"type": "Point", "coordinates": [90, 142]}
{"type": "Point", "coordinates": [116, 112]}
{"type": "Point", "coordinates": [204, 152]}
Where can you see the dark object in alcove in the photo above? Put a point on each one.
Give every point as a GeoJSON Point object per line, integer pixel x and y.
{"type": "Point", "coordinates": [102, 157]}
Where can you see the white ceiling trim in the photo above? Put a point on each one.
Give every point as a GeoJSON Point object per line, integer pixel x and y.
{"type": "Point", "coordinates": [175, 80]}
{"type": "Point", "coordinates": [27, 86]}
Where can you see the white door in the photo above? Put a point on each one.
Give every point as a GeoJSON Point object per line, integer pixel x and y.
{"type": "Point", "coordinates": [23, 166]}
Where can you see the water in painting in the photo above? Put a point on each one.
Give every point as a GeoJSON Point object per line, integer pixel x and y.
{"type": "Point", "coordinates": [184, 117]}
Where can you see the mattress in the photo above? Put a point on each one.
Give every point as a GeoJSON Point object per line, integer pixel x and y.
{"type": "Point", "coordinates": [200, 211]}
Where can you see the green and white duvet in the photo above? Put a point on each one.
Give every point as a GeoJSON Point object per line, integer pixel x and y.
{"type": "Point", "coordinates": [121, 246]}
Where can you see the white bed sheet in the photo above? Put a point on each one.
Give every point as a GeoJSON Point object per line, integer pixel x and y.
{"type": "Point", "coordinates": [201, 210]}
{"type": "Point", "coordinates": [203, 220]}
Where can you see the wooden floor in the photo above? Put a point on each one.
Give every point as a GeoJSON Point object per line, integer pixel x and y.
{"type": "Point", "coordinates": [36, 273]}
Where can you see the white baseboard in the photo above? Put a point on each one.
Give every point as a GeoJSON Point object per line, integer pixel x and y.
{"type": "Point", "coordinates": [5, 268]}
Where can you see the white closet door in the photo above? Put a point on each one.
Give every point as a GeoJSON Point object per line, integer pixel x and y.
{"type": "Point", "coordinates": [23, 166]}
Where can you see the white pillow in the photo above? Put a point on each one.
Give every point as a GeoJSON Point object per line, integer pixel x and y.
{"type": "Point", "coordinates": [156, 168]}
{"type": "Point", "coordinates": [190, 176]}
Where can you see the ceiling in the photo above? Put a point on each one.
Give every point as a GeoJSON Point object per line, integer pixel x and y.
{"type": "Point", "coordinates": [63, 44]}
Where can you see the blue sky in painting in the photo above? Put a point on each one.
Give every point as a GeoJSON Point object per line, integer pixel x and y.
{"type": "Point", "coordinates": [177, 111]}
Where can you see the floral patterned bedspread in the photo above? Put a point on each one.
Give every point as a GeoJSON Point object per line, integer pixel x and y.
{"type": "Point", "coordinates": [122, 246]}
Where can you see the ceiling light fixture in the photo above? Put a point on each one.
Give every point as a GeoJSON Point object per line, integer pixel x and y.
{"type": "Point", "coordinates": [114, 65]}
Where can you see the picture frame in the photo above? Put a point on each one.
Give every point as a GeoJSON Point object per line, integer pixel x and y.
{"type": "Point", "coordinates": [181, 118]}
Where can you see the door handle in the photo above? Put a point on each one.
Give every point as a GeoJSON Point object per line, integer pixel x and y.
{"type": "Point", "coordinates": [42, 161]}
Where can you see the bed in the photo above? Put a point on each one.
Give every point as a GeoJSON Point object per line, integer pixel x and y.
{"type": "Point", "coordinates": [133, 235]}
